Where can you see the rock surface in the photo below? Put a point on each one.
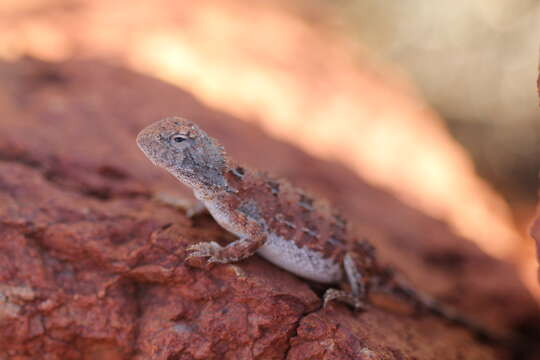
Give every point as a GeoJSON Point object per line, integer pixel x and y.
{"type": "Point", "coordinates": [92, 268]}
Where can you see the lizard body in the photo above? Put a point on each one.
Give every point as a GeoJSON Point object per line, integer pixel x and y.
{"type": "Point", "coordinates": [270, 217]}
{"type": "Point", "coordinates": [296, 235]}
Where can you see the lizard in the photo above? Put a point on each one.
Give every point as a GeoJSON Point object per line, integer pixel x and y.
{"type": "Point", "coordinates": [281, 223]}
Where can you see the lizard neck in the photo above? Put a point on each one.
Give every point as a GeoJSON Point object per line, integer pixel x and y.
{"type": "Point", "coordinates": [205, 182]}
{"type": "Point", "coordinates": [208, 182]}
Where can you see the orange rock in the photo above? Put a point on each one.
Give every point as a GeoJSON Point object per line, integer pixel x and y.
{"type": "Point", "coordinates": [92, 267]}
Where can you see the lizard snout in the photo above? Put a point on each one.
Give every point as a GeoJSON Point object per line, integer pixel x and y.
{"type": "Point", "coordinates": [148, 142]}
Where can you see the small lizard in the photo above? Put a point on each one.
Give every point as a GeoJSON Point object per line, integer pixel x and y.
{"type": "Point", "coordinates": [270, 217]}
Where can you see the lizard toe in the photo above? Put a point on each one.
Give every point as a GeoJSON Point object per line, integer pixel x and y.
{"type": "Point", "coordinates": [345, 297]}
{"type": "Point", "coordinates": [204, 249]}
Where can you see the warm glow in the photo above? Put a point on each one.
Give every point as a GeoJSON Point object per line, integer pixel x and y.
{"type": "Point", "coordinates": [303, 85]}
{"type": "Point", "coordinates": [397, 143]}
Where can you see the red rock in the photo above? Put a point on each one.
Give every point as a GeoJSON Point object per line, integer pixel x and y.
{"type": "Point", "coordinates": [92, 267]}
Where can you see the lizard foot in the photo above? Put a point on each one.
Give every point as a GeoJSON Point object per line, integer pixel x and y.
{"type": "Point", "coordinates": [343, 296]}
{"type": "Point", "coordinates": [211, 250]}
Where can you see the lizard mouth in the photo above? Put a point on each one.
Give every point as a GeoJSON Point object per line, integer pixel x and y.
{"type": "Point", "coordinates": [146, 141]}
{"type": "Point", "coordinates": [143, 141]}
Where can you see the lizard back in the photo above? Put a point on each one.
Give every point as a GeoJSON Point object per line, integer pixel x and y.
{"type": "Point", "coordinates": [304, 235]}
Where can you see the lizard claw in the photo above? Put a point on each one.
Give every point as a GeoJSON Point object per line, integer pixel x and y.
{"type": "Point", "coordinates": [205, 249]}
{"type": "Point", "coordinates": [340, 295]}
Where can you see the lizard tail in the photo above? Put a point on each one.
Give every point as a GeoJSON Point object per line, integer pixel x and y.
{"type": "Point", "coordinates": [425, 303]}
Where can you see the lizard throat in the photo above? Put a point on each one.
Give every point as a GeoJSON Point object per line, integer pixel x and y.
{"type": "Point", "coordinates": [205, 180]}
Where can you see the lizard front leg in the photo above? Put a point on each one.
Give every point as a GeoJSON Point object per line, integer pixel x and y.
{"type": "Point", "coordinates": [233, 252]}
{"type": "Point", "coordinates": [355, 279]}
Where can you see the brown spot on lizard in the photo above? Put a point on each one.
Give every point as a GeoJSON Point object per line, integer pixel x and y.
{"type": "Point", "coordinates": [272, 218]}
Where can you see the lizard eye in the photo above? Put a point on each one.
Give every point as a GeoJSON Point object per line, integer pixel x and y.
{"type": "Point", "coordinates": [178, 138]}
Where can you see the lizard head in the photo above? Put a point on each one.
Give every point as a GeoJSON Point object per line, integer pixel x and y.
{"type": "Point", "coordinates": [186, 151]}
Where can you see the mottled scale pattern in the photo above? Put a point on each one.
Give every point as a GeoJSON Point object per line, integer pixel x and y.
{"type": "Point", "coordinates": [287, 212]}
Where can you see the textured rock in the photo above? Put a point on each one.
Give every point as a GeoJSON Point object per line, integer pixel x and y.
{"type": "Point", "coordinates": [92, 268]}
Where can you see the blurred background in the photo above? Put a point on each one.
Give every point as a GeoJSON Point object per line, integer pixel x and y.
{"type": "Point", "coordinates": [433, 102]}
